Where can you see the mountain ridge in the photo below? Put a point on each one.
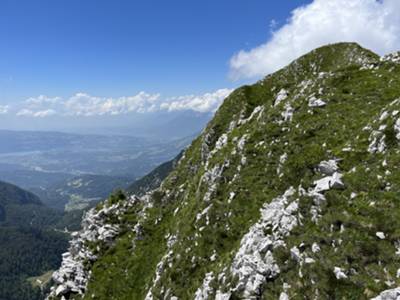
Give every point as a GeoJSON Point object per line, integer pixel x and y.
{"type": "Point", "coordinates": [290, 190]}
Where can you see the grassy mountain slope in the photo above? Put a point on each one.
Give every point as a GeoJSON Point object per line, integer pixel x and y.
{"type": "Point", "coordinates": [245, 214]}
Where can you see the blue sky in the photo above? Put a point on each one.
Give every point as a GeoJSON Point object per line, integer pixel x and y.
{"type": "Point", "coordinates": [115, 48]}
{"type": "Point", "coordinates": [95, 58]}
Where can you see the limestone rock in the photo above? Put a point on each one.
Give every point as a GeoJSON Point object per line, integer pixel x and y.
{"type": "Point", "coordinates": [315, 102]}
{"type": "Point", "coordinates": [328, 167]}
{"type": "Point", "coordinates": [329, 182]}
{"type": "Point", "coordinates": [393, 294]}
{"type": "Point", "coordinates": [339, 274]}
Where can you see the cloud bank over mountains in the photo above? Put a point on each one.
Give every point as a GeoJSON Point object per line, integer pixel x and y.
{"type": "Point", "coordinates": [85, 105]}
{"type": "Point", "coordinates": [373, 24]}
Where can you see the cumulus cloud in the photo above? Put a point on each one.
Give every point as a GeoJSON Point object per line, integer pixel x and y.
{"type": "Point", "coordinates": [4, 109]}
{"type": "Point", "coordinates": [208, 102]}
{"type": "Point", "coordinates": [42, 99]}
{"type": "Point", "coordinates": [83, 104]}
{"type": "Point", "coordinates": [37, 114]}
{"type": "Point", "coordinates": [371, 23]}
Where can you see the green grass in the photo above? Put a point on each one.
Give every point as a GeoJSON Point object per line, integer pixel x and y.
{"type": "Point", "coordinates": [355, 99]}
{"type": "Point", "coordinates": [41, 280]}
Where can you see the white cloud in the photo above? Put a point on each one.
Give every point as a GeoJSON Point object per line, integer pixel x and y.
{"type": "Point", "coordinates": [371, 23]}
{"type": "Point", "coordinates": [4, 109]}
{"type": "Point", "coordinates": [83, 104]}
{"type": "Point", "coordinates": [37, 114]}
{"type": "Point", "coordinates": [45, 113]}
{"type": "Point", "coordinates": [208, 102]}
{"type": "Point", "coordinates": [25, 112]}
{"type": "Point", "coordinates": [42, 99]}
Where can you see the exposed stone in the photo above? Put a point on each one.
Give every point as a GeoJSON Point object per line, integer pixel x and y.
{"type": "Point", "coordinates": [315, 102]}
{"type": "Point", "coordinates": [393, 294]}
{"type": "Point", "coordinates": [205, 291]}
{"type": "Point", "coordinates": [295, 254]}
{"type": "Point", "coordinates": [254, 262]}
{"type": "Point", "coordinates": [377, 142]}
{"type": "Point", "coordinates": [329, 182]}
{"type": "Point", "coordinates": [73, 275]}
{"type": "Point", "coordinates": [309, 260]}
{"type": "Point", "coordinates": [283, 296]}
{"type": "Point", "coordinates": [393, 57]}
{"type": "Point", "coordinates": [222, 296]}
{"type": "Point", "coordinates": [222, 141]}
{"type": "Point", "coordinates": [210, 178]}
{"type": "Point", "coordinates": [328, 167]}
{"type": "Point", "coordinates": [257, 111]}
{"type": "Point", "coordinates": [287, 114]}
{"type": "Point", "coordinates": [397, 128]}
{"type": "Point", "coordinates": [380, 235]}
{"type": "Point", "coordinates": [339, 274]}
{"type": "Point", "coordinates": [315, 248]}
{"type": "Point", "coordinates": [282, 95]}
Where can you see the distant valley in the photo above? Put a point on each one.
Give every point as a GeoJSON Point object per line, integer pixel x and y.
{"type": "Point", "coordinates": [33, 236]}
{"type": "Point", "coordinates": [69, 171]}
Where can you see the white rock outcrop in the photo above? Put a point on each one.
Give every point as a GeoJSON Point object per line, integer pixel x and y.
{"type": "Point", "coordinates": [377, 142]}
{"type": "Point", "coordinates": [283, 296]}
{"type": "Point", "coordinates": [393, 294]}
{"type": "Point", "coordinates": [287, 114]}
{"type": "Point", "coordinates": [380, 235]}
{"type": "Point", "coordinates": [254, 262]}
{"type": "Point", "coordinates": [339, 274]}
{"type": "Point", "coordinates": [282, 95]}
{"type": "Point", "coordinates": [392, 57]}
{"type": "Point", "coordinates": [397, 128]}
{"type": "Point", "coordinates": [258, 110]}
{"type": "Point", "coordinates": [73, 275]}
{"type": "Point", "coordinates": [329, 182]}
{"type": "Point", "coordinates": [205, 291]}
{"type": "Point", "coordinates": [315, 102]}
{"type": "Point", "coordinates": [328, 167]}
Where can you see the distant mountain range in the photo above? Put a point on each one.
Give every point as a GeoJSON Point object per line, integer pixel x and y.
{"type": "Point", "coordinates": [158, 125]}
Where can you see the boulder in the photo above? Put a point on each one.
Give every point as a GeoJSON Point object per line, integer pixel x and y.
{"type": "Point", "coordinates": [380, 235]}
{"type": "Point", "coordinates": [282, 95]}
{"type": "Point", "coordinates": [393, 294]}
{"type": "Point", "coordinates": [328, 167]}
{"type": "Point", "coordinates": [339, 274]}
{"type": "Point", "coordinates": [329, 182]}
{"type": "Point", "coordinates": [315, 102]}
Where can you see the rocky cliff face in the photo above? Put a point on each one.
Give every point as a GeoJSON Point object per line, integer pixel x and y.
{"type": "Point", "coordinates": [291, 192]}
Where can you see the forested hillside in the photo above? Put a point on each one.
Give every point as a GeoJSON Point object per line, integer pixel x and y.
{"type": "Point", "coordinates": [29, 245]}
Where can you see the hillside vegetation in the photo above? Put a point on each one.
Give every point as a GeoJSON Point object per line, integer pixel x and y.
{"type": "Point", "coordinates": [29, 246]}
{"type": "Point", "coordinates": [291, 192]}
